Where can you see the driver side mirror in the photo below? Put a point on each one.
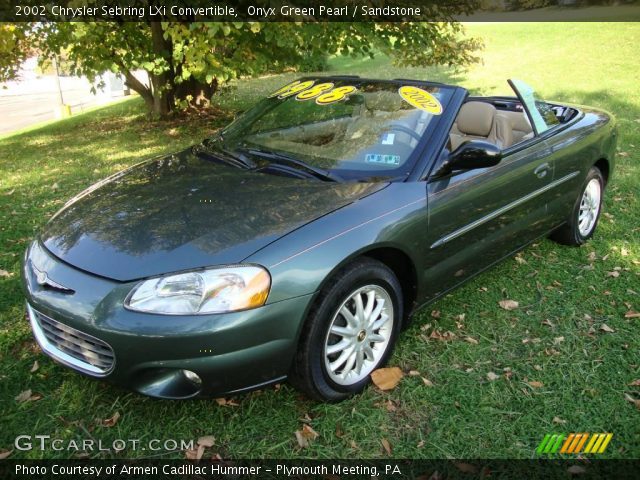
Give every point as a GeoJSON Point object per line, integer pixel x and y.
{"type": "Point", "coordinates": [471, 154]}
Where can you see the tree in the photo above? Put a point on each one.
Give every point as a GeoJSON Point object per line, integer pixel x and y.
{"type": "Point", "coordinates": [187, 62]}
{"type": "Point", "coordinates": [14, 49]}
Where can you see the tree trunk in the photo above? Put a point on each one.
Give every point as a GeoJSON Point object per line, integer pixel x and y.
{"type": "Point", "coordinates": [163, 84]}
{"type": "Point", "coordinates": [140, 88]}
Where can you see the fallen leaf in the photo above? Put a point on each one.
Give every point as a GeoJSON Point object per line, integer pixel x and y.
{"type": "Point", "coordinates": [302, 442]}
{"type": "Point", "coordinates": [414, 373]}
{"type": "Point", "coordinates": [632, 314]}
{"type": "Point", "coordinates": [110, 422]}
{"type": "Point", "coordinates": [635, 383]}
{"type": "Point", "coordinates": [5, 453]}
{"type": "Point", "coordinates": [536, 384]}
{"type": "Point", "coordinates": [548, 323]}
{"type": "Point", "coordinates": [309, 432]}
{"type": "Point", "coordinates": [559, 420]}
{"type": "Point", "coordinates": [509, 304]}
{"type": "Point", "coordinates": [206, 441]}
{"type": "Point", "coordinates": [221, 401]}
{"type": "Point", "coordinates": [635, 401]}
{"type": "Point", "coordinates": [388, 405]}
{"type": "Point", "coordinates": [435, 313]}
{"type": "Point", "coordinates": [35, 367]}
{"type": "Point", "coordinates": [466, 467]}
{"type": "Point", "coordinates": [4, 273]}
{"type": "Point", "coordinates": [592, 257]}
{"type": "Point", "coordinates": [427, 382]}
{"type": "Point", "coordinates": [558, 340]}
{"type": "Point", "coordinates": [386, 445]}
{"type": "Point", "coordinates": [606, 328]}
{"type": "Point", "coordinates": [614, 274]}
{"type": "Point", "coordinates": [194, 453]}
{"type": "Point", "coordinates": [443, 337]}
{"type": "Point", "coordinates": [576, 470]}
{"type": "Point", "coordinates": [386, 378]}
{"type": "Point", "coordinates": [520, 260]}
{"type": "Point", "coordinates": [624, 252]}
{"type": "Point", "coordinates": [23, 396]}
{"type": "Point", "coordinates": [305, 435]}
{"type": "Point", "coordinates": [471, 340]}
{"type": "Point", "coordinates": [492, 376]}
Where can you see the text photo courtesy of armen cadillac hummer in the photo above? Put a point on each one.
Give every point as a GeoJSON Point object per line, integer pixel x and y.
{"type": "Point", "coordinates": [387, 240]}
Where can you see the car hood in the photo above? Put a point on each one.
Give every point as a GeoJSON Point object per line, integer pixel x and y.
{"type": "Point", "coordinates": [181, 211]}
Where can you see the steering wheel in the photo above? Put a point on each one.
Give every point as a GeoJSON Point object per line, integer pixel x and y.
{"type": "Point", "coordinates": [407, 130]}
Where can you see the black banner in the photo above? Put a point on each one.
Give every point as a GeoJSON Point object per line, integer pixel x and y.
{"type": "Point", "coordinates": [317, 11]}
{"type": "Point", "coordinates": [320, 469]}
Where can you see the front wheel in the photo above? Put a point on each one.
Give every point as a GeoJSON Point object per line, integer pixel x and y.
{"type": "Point", "coordinates": [586, 212]}
{"type": "Point", "coordinates": [349, 332]}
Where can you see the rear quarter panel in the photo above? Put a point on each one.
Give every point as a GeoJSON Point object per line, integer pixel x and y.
{"type": "Point", "coordinates": [576, 148]}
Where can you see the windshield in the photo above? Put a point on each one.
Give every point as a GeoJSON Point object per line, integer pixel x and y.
{"type": "Point", "coordinates": [348, 127]}
{"type": "Point", "coordinates": [540, 112]}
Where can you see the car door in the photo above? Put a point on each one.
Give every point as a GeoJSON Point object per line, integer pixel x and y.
{"type": "Point", "coordinates": [479, 216]}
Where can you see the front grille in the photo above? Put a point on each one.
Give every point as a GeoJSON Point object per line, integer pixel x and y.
{"type": "Point", "coordinates": [70, 346]}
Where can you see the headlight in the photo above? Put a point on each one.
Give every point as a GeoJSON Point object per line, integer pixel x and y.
{"type": "Point", "coordinates": [216, 290]}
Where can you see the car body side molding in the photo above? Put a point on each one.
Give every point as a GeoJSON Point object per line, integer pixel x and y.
{"type": "Point", "coordinates": [501, 210]}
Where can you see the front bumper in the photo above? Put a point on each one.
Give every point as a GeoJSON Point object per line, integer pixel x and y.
{"type": "Point", "coordinates": [156, 355]}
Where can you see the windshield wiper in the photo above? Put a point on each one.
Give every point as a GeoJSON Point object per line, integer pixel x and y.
{"type": "Point", "coordinates": [240, 161]}
{"type": "Point", "coordinates": [278, 158]}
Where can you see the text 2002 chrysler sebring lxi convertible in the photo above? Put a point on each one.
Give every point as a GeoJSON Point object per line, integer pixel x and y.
{"type": "Point", "coordinates": [296, 243]}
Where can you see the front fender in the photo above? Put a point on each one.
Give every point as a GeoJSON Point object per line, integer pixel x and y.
{"type": "Point", "coordinates": [300, 262]}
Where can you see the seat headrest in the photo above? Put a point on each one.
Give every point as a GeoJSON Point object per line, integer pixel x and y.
{"type": "Point", "coordinates": [476, 118]}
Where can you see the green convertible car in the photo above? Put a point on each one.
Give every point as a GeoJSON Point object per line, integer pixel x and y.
{"type": "Point", "coordinates": [296, 243]}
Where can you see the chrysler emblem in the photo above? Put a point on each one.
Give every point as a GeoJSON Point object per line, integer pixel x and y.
{"type": "Point", "coordinates": [44, 281]}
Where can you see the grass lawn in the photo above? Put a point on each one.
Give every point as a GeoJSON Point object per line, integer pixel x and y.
{"type": "Point", "coordinates": [562, 362]}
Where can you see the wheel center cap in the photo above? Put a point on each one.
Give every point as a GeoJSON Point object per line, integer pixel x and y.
{"type": "Point", "coordinates": [362, 335]}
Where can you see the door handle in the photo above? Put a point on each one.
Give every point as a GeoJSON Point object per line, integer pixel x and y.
{"type": "Point", "coordinates": [542, 170]}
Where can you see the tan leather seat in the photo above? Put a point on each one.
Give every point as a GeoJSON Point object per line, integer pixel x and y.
{"type": "Point", "coordinates": [481, 121]}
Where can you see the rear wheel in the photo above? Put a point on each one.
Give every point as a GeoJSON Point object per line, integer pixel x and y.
{"type": "Point", "coordinates": [350, 331]}
{"type": "Point", "coordinates": [586, 212]}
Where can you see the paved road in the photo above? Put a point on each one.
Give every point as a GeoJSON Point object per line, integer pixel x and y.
{"type": "Point", "coordinates": [35, 100]}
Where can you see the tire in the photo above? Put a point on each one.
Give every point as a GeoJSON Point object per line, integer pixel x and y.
{"type": "Point", "coordinates": [585, 214]}
{"type": "Point", "coordinates": [329, 336]}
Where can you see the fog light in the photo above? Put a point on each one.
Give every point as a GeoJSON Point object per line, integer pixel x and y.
{"type": "Point", "coordinates": [192, 377]}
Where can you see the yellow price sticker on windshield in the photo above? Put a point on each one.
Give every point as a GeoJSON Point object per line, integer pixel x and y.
{"type": "Point", "coordinates": [335, 95]}
{"type": "Point", "coordinates": [419, 98]}
{"type": "Point", "coordinates": [324, 93]}
{"type": "Point", "coordinates": [292, 89]}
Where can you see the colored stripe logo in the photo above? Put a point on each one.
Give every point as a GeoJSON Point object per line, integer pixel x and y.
{"type": "Point", "coordinates": [574, 443]}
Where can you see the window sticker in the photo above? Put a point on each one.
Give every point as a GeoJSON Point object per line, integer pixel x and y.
{"type": "Point", "coordinates": [324, 93]}
{"type": "Point", "coordinates": [382, 159]}
{"type": "Point", "coordinates": [336, 95]}
{"type": "Point", "coordinates": [388, 138]}
{"type": "Point", "coordinates": [292, 89]}
{"type": "Point", "coordinates": [419, 98]}
{"type": "Point", "coordinates": [314, 91]}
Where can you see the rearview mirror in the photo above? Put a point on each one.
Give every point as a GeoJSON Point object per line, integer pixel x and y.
{"type": "Point", "coordinates": [471, 154]}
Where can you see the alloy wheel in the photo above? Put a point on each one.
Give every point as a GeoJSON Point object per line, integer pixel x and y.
{"type": "Point", "coordinates": [589, 207]}
{"type": "Point", "coordinates": [359, 335]}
